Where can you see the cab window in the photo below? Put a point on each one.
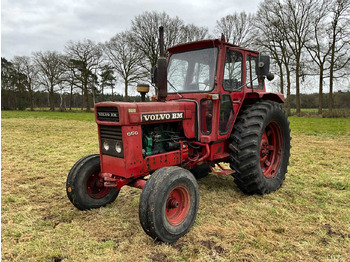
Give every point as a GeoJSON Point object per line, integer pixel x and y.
{"type": "Point", "coordinates": [232, 80]}
{"type": "Point", "coordinates": [192, 71]}
{"type": "Point", "coordinates": [252, 78]}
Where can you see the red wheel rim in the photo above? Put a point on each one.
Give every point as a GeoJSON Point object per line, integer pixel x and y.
{"type": "Point", "coordinates": [95, 187]}
{"type": "Point", "coordinates": [177, 205]}
{"type": "Point", "coordinates": [271, 150]}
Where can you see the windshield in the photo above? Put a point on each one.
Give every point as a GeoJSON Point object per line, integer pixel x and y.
{"type": "Point", "coordinates": [192, 71]}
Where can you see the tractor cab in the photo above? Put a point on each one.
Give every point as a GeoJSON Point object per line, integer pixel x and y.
{"type": "Point", "coordinates": [220, 78]}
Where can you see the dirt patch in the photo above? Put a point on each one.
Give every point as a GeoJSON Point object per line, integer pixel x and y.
{"type": "Point", "coordinates": [331, 232]}
{"type": "Point", "coordinates": [57, 259]}
{"type": "Point", "coordinates": [208, 243]}
{"type": "Point", "coordinates": [160, 257]}
{"type": "Point", "coordinates": [215, 249]}
{"type": "Point", "coordinates": [178, 246]}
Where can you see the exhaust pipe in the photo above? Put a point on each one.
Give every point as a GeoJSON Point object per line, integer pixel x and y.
{"type": "Point", "coordinates": [162, 68]}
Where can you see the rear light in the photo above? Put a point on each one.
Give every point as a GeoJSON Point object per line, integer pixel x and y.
{"type": "Point", "coordinates": [213, 96]}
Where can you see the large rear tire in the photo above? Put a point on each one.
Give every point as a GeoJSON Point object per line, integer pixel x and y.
{"type": "Point", "coordinates": [260, 148]}
{"type": "Point", "coordinates": [168, 204]}
{"type": "Point", "coordinates": [84, 188]}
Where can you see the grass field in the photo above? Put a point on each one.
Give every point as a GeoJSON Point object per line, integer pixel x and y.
{"type": "Point", "coordinates": [305, 220]}
{"type": "Point", "coordinates": [313, 112]}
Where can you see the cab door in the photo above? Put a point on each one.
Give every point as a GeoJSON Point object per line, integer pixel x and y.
{"type": "Point", "coordinates": [232, 86]}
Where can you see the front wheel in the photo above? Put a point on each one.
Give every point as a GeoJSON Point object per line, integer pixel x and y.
{"type": "Point", "coordinates": [84, 187]}
{"type": "Point", "coordinates": [260, 148]}
{"type": "Point", "coordinates": [169, 204]}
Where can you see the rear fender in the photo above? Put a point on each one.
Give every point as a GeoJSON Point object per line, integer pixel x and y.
{"type": "Point", "coordinates": [252, 97]}
{"type": "Point", "coordinates": [277, 97]}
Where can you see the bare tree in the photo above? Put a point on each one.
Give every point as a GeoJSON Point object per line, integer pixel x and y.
{"type": "Point", "coordinates": [50, 70]}
{"type": "Point", "coordinates": [237, 28]}
{"type": "Point", "coordinates": [125, 60]}
{"type": "Point", "coordinates": [295, 24]}
{"type": "Point", "coordinates": [192, 32]}
{"type": "Point", "coordinates": [144, 34]}
{"type": "Point", "coordinates": [339, 34]}
{"type": "Point", "coordinates": [271, 36]}
{"type": "Point", "coordinates": [319, 47]}
{"type": "Point", "coordinates": [85, 58]}
{"type": "Point", "coordinates": [25, 66]}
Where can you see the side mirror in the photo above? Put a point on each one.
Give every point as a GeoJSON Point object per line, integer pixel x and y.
{"type": "Point", "coordinates": [154, 75]}
{"type": "Point", "coordinates": [264, 67]}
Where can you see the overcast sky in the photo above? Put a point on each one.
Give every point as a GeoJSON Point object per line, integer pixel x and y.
{"type": "Point", "coordinates": [39, 25]}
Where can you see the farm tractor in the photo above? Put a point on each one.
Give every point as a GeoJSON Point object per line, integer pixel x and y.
{"type": "Point", "coordinates": [211, 114]}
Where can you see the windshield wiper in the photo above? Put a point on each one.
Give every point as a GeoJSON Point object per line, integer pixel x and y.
{"type": "Point", "coordinates": [174, 88]}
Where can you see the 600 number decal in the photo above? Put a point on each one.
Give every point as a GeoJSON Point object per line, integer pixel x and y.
{"type": "Point", "coordinates": [132, 133]}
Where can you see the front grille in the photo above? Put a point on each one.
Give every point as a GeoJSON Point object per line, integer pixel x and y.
{"type": "Point", "coordinates": [109, 114]}
{"type": "Point", "coordinates": [111, 132]}
{"type": "Point", "coordinates": [112, 135]}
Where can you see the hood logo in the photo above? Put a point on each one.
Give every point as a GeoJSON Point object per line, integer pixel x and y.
{"type": "Point", "coordinates": [162, 116]}
{"type": "Point", "coordinates": [107, 114]}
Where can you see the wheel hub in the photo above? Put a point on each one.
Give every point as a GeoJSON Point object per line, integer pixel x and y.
{"type": "Point", "coordinates": [95, 188]}
{"type": "Point", "coordinates": [270, 150]}
{"type": "Point", "coordinates": [177, 205]}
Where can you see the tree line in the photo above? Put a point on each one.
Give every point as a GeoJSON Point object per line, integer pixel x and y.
{"type": "Point", "coordinates": [306, 39]}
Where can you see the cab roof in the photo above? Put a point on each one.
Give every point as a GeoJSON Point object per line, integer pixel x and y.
{"type": "Point", "coordinates": [203, 44]}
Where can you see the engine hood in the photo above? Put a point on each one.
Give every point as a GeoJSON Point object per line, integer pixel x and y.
{"type": "Point", "coordinates": [124, 113]}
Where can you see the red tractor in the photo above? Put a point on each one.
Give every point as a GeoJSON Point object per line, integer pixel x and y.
{"type": "Point", "coordinates": [211, 108]}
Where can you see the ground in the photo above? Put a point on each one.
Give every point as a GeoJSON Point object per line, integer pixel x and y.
{"type": "Point", "coordinates": [307, 219]}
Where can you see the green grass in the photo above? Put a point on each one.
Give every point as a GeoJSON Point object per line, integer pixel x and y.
{"type": "Point", "coordinates": [320, 126]}
{"type": "Point", "coordinates": [74, 109]}
{"type": "Point", "coordinates": [305, 220]}
{"type": "Point", "coordinates": [82, 116]}
{"type": "Point", "coordinates": [313, 112]}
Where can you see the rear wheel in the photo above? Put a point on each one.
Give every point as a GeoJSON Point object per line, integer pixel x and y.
{"type": "Point", "coordinates": [169, 204]}
{"type": "Point", "coordinates": [260, 148]}
{"type": "Point", "coordinates": [84, 186]}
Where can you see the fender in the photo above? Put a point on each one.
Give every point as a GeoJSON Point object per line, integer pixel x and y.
{"type": "Point", "coordinates": [277, 97]}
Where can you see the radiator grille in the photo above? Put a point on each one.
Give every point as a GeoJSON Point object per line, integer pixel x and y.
{"type": "Point", "coordinates": [110, 114]}
{"type": "Point", "coordinates": [111, 132]}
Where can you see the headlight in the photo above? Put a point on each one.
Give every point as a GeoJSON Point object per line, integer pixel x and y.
{"type": "Point", "coordinates": [106, 145]}
{"type": "Point", "coordinates": [118, 148]}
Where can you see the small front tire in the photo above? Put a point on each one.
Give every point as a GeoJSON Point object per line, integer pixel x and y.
{"type": "Point", "coordinates": [84, 188]}
{"type": "Point", "coordinates": [169, 204]}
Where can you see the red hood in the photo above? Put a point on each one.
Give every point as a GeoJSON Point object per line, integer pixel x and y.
{"type": "Point", "coordinates": [144, 112]}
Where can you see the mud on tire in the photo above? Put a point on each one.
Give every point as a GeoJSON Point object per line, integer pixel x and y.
{"type": "Point", "coordinates": [260, 148]}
